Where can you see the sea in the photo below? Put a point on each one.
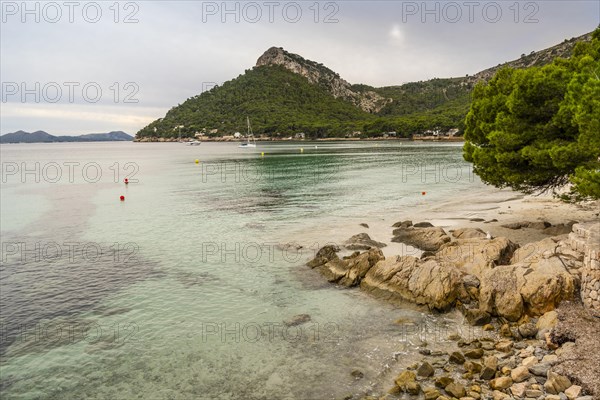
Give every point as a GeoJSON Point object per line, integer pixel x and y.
{"type": "Point", "coordinates": [190, 281]}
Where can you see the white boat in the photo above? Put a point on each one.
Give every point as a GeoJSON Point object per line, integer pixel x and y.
{"type": "Point", "coordinates": [194, 143]}
{"type": "Point", "coordinates": [250, 142]}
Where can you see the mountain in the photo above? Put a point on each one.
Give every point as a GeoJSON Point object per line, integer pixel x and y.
{"type": "Point", "coordinates": [284, 94]}
{"type": "Point", "coordinates": [44, 137]}
{"type": "Point", "coordinates": [318, 74]}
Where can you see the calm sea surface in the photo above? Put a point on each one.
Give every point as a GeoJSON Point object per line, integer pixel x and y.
{"type": "Point", "coordinates": [181, 290]}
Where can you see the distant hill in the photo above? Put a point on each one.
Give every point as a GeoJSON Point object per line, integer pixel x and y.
{"type": "Point", "coordinates": [286, 94]}
{"type": "Point", "coordinates": [44, 137]}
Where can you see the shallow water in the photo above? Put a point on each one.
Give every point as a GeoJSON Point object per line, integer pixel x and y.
{"type": "Point", "coordinates": [181, 291]}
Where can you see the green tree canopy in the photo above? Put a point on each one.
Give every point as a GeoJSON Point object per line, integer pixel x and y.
{"type": "Point", "coordinates": [537, 129]}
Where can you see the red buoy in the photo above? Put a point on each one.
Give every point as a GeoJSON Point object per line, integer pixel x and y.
{"type": "Point", "coordinates": [122, 198]}
{"type": "Point", "coordinates": [423, 193]}
{"type": "Point", "coordinates": [126, 181]}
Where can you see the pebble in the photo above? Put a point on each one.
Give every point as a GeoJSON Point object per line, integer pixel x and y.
{"type": "Point", "coordinates": [520, 374]}
{"type": "Point", "coordinates": [518, 389]}
{"type": "Point", "coordinates": [529, 361]}
{"type": "Point", "coordinates": [540, 369]}
{"type": "Point", "coordinates": [573, 392]}
{"type": "Point", "coordinates": [456, 390]}
{"type": "Point", "coordinates": [457, 358]}
{"type": "Point", "coordinates": [533, 393]}
{"type": "Point", "coordinates": [504, 382]}
{"type": "Point", "coordinates": [474, 353]}
{"type": "Point", "coordinates": [487, 346]}
{"type": "Point", "coordinates": [425, 370]}
{"type": "Point", "coordinates": [504, 346]}
{"type": "Point", "coordinates": [550, 358]}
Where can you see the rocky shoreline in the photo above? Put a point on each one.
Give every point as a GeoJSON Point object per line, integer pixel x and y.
{"type": "Point", "coordinates": [538, 339]}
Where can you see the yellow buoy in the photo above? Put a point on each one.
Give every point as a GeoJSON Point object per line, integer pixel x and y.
{"type": "Point", "coordinates": [301, 150]}
{"type": "Point", "coordinates": [197, 161]}
{"type": "Point", "coordinates": [262, 153]}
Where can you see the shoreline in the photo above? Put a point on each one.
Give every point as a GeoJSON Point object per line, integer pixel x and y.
{"type": "Point", "coordinates": [511, 379]}
{"type": "Point", "coordinates": [330, 139]}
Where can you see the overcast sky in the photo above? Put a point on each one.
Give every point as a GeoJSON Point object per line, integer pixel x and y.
{"type": "Point", "coordinates": [148, 56]}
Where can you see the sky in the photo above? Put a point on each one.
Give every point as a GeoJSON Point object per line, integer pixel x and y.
{"type": "Point", "coordinates": [76, 67]}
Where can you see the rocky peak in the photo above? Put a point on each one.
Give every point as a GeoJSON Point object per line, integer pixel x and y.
{"type": "Point", "coordinates": [318, 74]}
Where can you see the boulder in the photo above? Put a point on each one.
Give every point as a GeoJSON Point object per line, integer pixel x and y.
{"type": "Point", "coordinates": [476, 256]}
{"type": "Point", "coordinates": [547, 248]}
{"type": "Point", "coordinates": [324, 255]}
{"type": "Point", "coordinates": [469, 233]}
{"type": "Point", "coordinates": [418, 281]}
{"type": "Point", "coordinates": [348, 271]}
{"type": "Point", "coordinates": [402, 224]}
{"type": "Point", "coordinates": [423, 225]}
{"type": "Point", "coordinates": [516, 225]}
{"type": "Point", "coordinates": [539, 225]}
{"type": "Point", "coordinates": [528, 330]}
{"type": "Point", "coordinates": [477, 317]}
{"type": "Point", "coordinates": [559, 229]}
{"type": "Point", "coordinates": [362, 241]}
{"type": "Point", "coordinates": [546, 322]}
{"type": "Point", "coordinates": [533, 287]}
{"type": "Point", "coordinates": [429, 239]}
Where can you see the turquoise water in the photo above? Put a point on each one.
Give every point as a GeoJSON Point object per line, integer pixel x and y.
{"type": "Point", "coordinates": [181, 290]}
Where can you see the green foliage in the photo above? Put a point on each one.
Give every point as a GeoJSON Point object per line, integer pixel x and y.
{"type": "Point", "coordinates": [277, 101]}
{"type": "Point", "coordinates": [417, 97]}
{"type": "Point", "coordinates": [281, 103]}
{"type": "Point", "coordinates": [537, 129]}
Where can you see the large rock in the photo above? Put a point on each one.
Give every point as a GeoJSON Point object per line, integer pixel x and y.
{"type": "Point", "coordinates": [469, 233]}
{"type": "Point", "coordinates": [549, 247]}
{"type": "Point", "coordinates": [420, 281]}
{"type": "Point", "coordinates": [362, 241]}
{"type": "Point", "coordinates": [476, 256]}
{"type": "Point", "coordinates": [533, 287]}
{"type": "Point", "coordinates": [428, 238]}
{"type": "Point", "coordinates": [545, 323]}
{"type": "Point", "coordinates": [347, 271]}
{"type": "Point", "coordinates": [324, 255]}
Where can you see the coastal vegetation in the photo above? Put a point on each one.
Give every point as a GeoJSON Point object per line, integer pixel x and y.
{"type": "Point", "coordinates": [285, 94]}
{"type": "Point", "coordinates": [537, 129]}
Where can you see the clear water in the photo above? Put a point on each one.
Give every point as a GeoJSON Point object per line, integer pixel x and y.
{"type": "Point", "coordinates": [181, 291]}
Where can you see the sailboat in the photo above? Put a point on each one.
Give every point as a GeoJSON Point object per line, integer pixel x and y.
{"type": "Point", "coordinates": [251, 142]}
